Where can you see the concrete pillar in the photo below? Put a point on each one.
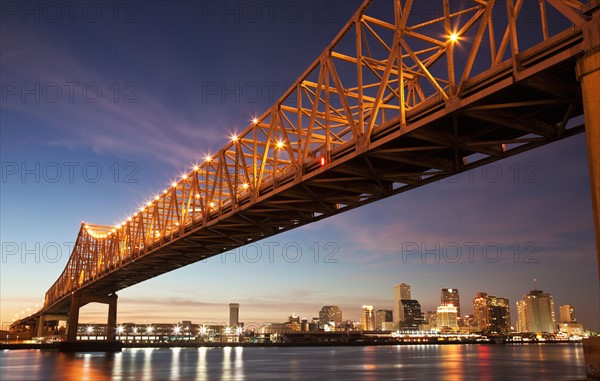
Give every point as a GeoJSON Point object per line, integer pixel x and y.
{"type": "Point", "coordinates": [111, 327]}
{"type": "Point", "coordinates": [588, 72]}
{"type": "Point", "coordinates": [40, 325]}
{"type": "Point", "coordinates": [73, 318]}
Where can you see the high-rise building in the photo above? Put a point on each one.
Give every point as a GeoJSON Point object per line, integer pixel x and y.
{"type": "Point", "coordinates": [383, 316]}
{"type": "Point", "coordinates": [491, 314]}
{"type": "Point", "coordinates": [567, 314]}
{"type": "Point", "coordinates": [401, 291]}
{"type": "Point", "coordinates": [450, 296]}
{"type": "Point", "coordinates": [368, 318]}
{"type": "Point", "coordinates": [446, 317]}
{"type": "Point", "coordinates": [536, 313]}
{"type": "Point", "coordinates": [234, 314]}
{"type": "Point", "coordinates": [410, 315]}
{"type": "Point", "coordinates": [499, 316]}
{"type": "Point", "coordinates": [330, 314]}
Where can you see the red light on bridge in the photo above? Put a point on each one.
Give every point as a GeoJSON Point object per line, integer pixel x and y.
{"type": "Point", "coordinates": [322, 161]}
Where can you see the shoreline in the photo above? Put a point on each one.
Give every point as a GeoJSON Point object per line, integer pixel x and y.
{"type": "Point", "coordinates": [55, 346]}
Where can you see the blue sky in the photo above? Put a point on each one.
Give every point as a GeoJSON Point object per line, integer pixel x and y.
{"type": "Point", "coordinates": [102, 110]}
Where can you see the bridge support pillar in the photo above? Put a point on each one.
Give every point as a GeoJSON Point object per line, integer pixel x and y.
{"type": "Point", "coordinates": [73, 318]}
{"type": "Point", "coordinates": [78, 300]}
{"type": "Point", "coordinates": [40, 326]}
{"type": "Point", "coordinates": [588, 72]}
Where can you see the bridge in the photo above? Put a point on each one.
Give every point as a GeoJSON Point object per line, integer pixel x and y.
{"type": "Point", "coordinates": [387, 107]}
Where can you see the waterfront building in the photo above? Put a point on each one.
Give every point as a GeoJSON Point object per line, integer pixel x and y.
{"type": "Point", "coordinates": [536, 313]}
{"type": "Point", "coordinates": [368, 318]}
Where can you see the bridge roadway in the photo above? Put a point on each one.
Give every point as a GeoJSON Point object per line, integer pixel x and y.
{"type": "Point", "coordinates": [530, 99]}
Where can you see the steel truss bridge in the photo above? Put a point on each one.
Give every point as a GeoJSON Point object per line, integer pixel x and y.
{"type": "Point", "coordinates": [393, 103]}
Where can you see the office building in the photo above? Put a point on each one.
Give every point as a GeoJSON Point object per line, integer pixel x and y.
{"type": "Point", "coordinates": [450, 296]}
{"type": "Point", "coordinates": [536, 313]}
{"type": "Point", "coordinates": [410, 315]}
{"type": "Point", "coordinates": [330, 315]}
{"type": "Point", "coordinates": [401, 291]}
{"type": "Point", "coordinates": [567, 314]}
{"type": "Point", "coordinates": [491, 314]}
{"type": "Point", "coordinates": [446, 318]}
{"type": "Point", "coordinates": [368, 318]}
{"type": "Point", "coordinates": [234, 314]}
{"type": "Point", "coordinates": [383, 316]}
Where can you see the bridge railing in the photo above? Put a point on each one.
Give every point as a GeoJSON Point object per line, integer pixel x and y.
{"type": "Point", "coordinates": [386, 64]}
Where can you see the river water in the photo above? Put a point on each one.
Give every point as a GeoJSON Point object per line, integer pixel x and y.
{"type": "Point", "coordinates": [404, 362]}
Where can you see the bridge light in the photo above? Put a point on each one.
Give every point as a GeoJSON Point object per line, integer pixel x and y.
{"type": "Point", "coordinates": [197, 195]}
{"type": "Point", "coordinates": [245, 185]}
{"type": "Point", "coordinates": [279, 144]}
{"type": "Point", "coordinates": [322, 161]}
{"type": "Point", "coordinates": [453, 37]}
{"type": "Point", "coordinates": [255, 120]}
{"type": "Point", "coordinates": [208, 158]}
{"type": "Point", "coordinates": [184, 177]}
{"type": "Point", "coordinates": [195, 168]}
{"type": "Point", "coordinates": [156, 198]}
{"type": "Point", "coordinates": [173, 184]}
{"type": "Point", "coordinates": [234, 138]}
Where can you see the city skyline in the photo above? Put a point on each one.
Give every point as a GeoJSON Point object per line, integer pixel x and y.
{"type": "Point", "coordinates": [535, 207]}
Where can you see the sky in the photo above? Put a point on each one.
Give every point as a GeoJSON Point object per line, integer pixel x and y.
{"type": "Point", "coordinates": [104, 103]}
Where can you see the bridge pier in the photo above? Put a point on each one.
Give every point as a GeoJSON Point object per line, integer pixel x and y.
{"type": "Point", "coordinates": [78, 300]}
{"type": "Point", "coordinates": [46, 318]}
{"type": "Point", "coordinates": [588, 72]}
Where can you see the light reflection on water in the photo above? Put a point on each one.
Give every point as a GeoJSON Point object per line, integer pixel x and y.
{"type": "Point", "coordinates": [430, 362]}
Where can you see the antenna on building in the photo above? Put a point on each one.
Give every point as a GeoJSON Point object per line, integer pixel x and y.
{"type": "Point", "coordinates": [534, 284]}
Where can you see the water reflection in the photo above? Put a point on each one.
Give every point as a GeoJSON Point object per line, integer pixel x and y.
{"type": "Point", "coordinates": [444, 362]}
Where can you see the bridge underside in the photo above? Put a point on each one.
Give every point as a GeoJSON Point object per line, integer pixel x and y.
{"type": "Point", "coordinates": [520, 113]}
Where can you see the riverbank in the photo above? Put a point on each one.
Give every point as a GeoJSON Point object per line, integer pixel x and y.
{"type": "Point", "coordinates": [55, 346]}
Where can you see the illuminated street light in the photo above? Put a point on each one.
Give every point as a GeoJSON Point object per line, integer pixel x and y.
{"type": "Point", "coordinates": [90, 329]}
{"type": "Point", "coordinates": [149, 329]}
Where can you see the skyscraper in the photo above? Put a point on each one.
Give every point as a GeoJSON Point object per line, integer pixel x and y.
{"type": "Point", "coordinates": [234, 314]}
{"type": "Point", "coordinates": [451, 296]}
{"type": "Point", "coordinates": [410, 314]}
{"type": "Point", "coordinates": [368, 318]}
{"type": "Point", "coordinates": [330, 314]}
{"type": "Point", "coordinates": [401, 291]}
{"type": "Point", "coordinates": [446, 317]}
{"type": "Point", "coordinates": [536, 313]}
{"type": "Point", "coordinates": [491, 313]}
{"type": "Point", "coordinates": [383, 316]}
{"type": "Point", "coordinates": [567, 314]}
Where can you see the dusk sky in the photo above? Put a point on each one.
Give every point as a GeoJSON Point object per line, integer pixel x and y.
{"type": "Point", "coordinates": [104, 104]}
